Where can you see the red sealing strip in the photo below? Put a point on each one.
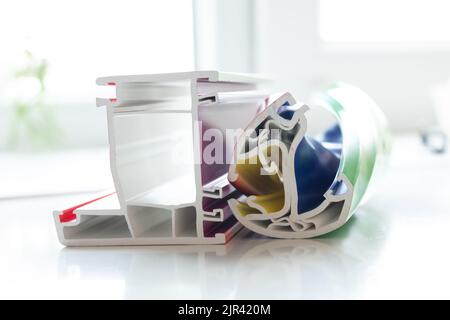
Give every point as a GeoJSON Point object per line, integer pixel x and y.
{"type": "Point", "coordinates": [68, 215]}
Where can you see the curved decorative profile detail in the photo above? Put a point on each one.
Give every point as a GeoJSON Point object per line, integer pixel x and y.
{"type": "Point", "coordinates": [295, 185]}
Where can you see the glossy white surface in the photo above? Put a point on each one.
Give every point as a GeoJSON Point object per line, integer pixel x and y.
{"type": "Point", "coordinates": [63, 172]}
{"type": "Point", "coordinates": [397, 246]}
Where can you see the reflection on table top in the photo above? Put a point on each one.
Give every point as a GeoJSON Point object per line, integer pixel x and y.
{"type": "Point", "coordinates": [395, 247]}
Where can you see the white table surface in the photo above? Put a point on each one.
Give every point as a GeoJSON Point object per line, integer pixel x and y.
{"type": "Point", "coordinates": [397, 246]}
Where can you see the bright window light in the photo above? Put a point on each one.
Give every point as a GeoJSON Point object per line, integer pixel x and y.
{"type": "Point", "coordinates": [83, 40]}
{"type": "Point", "coordinates": [384, 21]}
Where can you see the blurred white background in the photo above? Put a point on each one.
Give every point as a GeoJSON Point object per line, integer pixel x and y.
{"type": "Point", "coordinates": [396, 51]}
{"type": "Point", "coordinates": [52, 52]}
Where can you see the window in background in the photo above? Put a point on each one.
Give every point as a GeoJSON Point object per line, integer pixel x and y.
{"type": "Point", "coordinates": [385, 21]}
{"type": "Point", "coordinates": [52, 52]}
{"type": "Point", "coordinates": [82, 40]}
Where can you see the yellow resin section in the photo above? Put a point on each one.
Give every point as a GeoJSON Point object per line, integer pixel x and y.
{"type": "Point", "coordinates": [263, 189]}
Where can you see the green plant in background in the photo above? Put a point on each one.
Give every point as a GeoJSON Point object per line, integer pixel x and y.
{"type": "Point", "coordinates": [33, 125]}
